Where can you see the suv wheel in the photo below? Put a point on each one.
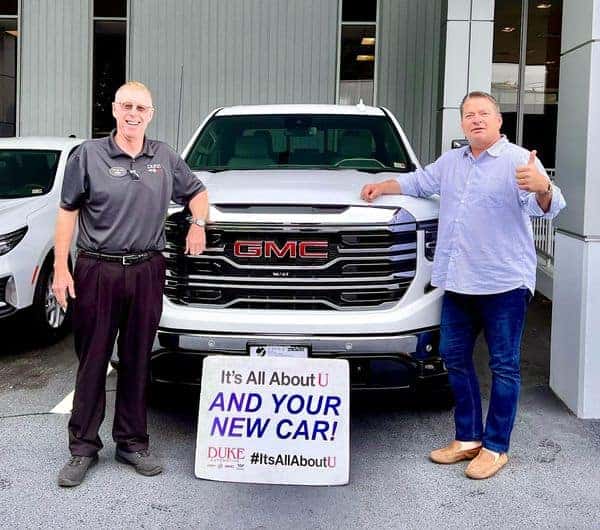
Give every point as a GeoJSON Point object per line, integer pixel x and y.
{"type": "Point", "coordinates": [51, 320]}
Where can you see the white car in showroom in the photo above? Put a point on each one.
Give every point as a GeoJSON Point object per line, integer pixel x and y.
{"type": "Point", "coordinates": [31, 175]}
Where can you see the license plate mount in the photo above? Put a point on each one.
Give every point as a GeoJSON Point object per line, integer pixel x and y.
{"type": "Point", "coordinates": [299, 351]}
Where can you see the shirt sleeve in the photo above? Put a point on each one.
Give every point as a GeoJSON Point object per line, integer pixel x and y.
{"type": "Point", "coordinates": [529, 202]}
{"type": "Point", "coordinates": [75, 187]}
{"type": "Point", "coordinates": [422, 182]}
{"type": "Point", "coordinates": [185, 183]}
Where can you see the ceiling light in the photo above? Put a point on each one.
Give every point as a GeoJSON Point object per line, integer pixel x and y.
{"type": "Point", "coordinates": [508, 29]}
{"type": "Point", "coordinates": [544, 5]}
{"type": "Point", "coordinates": [365, 58]}
{"type": "Point", "coordinates": [368, 41]}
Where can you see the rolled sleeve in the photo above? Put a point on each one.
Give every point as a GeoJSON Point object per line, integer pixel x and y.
{"type": "Point", "coordinates": [532, 208]}
{"type": "Point", "coordinates": [75, 187]}
{"type": "Point", "coordinates": [185, 184]}
{"type": "Point", "coordinates": [422, 182]}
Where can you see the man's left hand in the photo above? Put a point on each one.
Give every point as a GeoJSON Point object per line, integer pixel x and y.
{"type": "Point", "coordinates": [529, 178]}
{"type": "Point", "coordinates": [195, 242]}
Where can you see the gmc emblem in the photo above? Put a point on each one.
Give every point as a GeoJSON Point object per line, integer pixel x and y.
{"type": "Point", "coordinates": [292, 249]}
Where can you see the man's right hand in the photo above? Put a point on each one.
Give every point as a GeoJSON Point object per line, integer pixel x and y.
{"type": "Point", "coordinates": [62, 285]}
{"type": "Point", "coordinates": [371, 191]}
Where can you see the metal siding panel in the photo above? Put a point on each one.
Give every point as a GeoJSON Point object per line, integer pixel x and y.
{"type": "Point", "coordinates": [55, 71]}
{"type": "Point", "coordinates": [408, 69]}
{"type": "Point", "coordinates": [233, 52]}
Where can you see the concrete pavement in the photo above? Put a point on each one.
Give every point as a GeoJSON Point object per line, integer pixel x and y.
{"type": "Point", "coordinates": [551, 481]}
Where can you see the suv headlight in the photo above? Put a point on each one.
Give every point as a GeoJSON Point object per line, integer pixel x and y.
{"type": "Point", "coordinates": [11, 240]}
{"type": "Point", "coordinates": [430, 230]}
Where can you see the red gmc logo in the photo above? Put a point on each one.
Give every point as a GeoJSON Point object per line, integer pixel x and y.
{"type": "Point", "coordinates": [292, 249]}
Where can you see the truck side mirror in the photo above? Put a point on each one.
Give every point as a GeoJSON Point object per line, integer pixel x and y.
{"type": "Point", "coordinates": [459, 142]}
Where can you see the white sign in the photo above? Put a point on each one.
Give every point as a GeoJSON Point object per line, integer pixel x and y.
{"type": "Point", "coordinates": [274, 420]}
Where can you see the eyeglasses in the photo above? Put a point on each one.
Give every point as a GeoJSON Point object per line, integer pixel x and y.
{"type": "Point", "coordinates": [135, 176]}
{"type": "Point", "coordinates": [128, 107]}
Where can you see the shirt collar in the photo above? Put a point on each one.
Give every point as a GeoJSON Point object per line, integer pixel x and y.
{"type": "Point", "coordinates": [114, 150]}
{"type": "Point", "coordinates": [494, 150]}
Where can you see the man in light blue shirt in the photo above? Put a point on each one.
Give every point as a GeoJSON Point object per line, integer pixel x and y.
{"type": "Point", "coordinates": [486, 262]}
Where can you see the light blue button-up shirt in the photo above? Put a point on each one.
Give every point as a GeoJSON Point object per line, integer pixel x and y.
{"type": "Point", "coordinates": [485, 239]}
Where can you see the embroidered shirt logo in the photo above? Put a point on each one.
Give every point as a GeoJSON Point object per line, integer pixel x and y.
{"type": "Point", "coordinates": [117, 171]}
{"type": "Point", "coordinates": [154, 168]}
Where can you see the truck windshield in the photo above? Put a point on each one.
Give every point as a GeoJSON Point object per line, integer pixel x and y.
{"type": "Point", "coordinates": [26, 172]}
{"type": "Point", "coordinates": [299, 141]}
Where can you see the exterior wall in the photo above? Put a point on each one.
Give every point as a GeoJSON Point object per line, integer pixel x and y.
{"type": "Point", "coordinates": [232, 52]}
{"type": "Point", "coordinates": [55, 68]}
{"type": "Point", "coordinates": [211, 53]}
{"type": "Point", "coordinates": [468, 59]}
{"type": "Point", "coordinates": [574, 360]}
{"type": "Point", "coordinates": [409, 76]}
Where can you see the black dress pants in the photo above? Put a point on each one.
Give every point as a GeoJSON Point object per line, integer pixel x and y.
{"type": "Point", "coordinates": [111, 298]}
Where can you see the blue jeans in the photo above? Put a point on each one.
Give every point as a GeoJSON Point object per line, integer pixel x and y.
{"type": "Point", "coordinates": [502, 318]}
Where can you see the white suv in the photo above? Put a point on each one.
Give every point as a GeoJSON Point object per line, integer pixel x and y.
{"type": "Point", "coordinates": [297, 263]}
{"type": "Point", "coordinates": [31, 174]}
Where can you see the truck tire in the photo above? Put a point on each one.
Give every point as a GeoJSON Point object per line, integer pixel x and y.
{"type": "Point", "coordinates": [437, 399]}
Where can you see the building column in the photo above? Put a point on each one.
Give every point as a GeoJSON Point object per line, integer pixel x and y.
{"type": "Point", "coordinates": [575, 350]}
{"type": "Point", "coordinates": [469, 30]}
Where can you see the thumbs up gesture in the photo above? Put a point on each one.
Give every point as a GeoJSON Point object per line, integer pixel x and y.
{"type": "Point", "coordinates": [529, 178]}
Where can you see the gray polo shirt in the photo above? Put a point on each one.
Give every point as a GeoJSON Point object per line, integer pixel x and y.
{"type": "Point", "coordinates": [123, 201]}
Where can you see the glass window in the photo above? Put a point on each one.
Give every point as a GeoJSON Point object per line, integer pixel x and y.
{"type": "Point", "coordinates": [363, 11]}
{"type": "Point", "coordinates": [24, 173]}
{"type": "Point", "coordinates": [110, 8]}
{"type": "Point", "coordinates": [110, 48]}
{"type": "Point", "coordinates": [357, 64]}
{"type": "Point", "coordinates": [357, 52]}
{"type": "Point", "coordinates": [8, 7]}
{"type": "Point", "coordinates": [540, 106]}
{"type": "Point", "coordinates": [505, 66]}
{"type": "Point", "coordinates": [299, 141]}
{"type": "Point", "coordinates": [525, 77]}
{"type": "Point", "coordinates": [8, 77]}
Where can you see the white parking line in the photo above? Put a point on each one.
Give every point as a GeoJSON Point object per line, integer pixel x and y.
{"type": "Point", "coordinates": [66, 405]}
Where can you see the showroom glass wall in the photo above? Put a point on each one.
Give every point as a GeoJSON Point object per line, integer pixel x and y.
{"type": "Point", "coordinates": [9, 35]}
{"type": "Point", "coordinates": [525, 71]}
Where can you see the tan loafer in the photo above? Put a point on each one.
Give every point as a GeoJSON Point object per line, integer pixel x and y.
{"type": "Point", "coordinates": [453, 453]}
{"type": "Point", "coordinates": [485, 465]}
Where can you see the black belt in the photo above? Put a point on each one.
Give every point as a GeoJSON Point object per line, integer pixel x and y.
{"type": "Point", "coordinates": [123, 259]}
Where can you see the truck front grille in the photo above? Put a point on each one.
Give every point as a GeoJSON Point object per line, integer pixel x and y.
{"type": "Point", "coordinates": [292, 266]}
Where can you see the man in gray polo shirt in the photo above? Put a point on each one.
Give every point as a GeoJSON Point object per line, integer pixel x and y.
{"type": "Point", "coordinates": [119, 188]}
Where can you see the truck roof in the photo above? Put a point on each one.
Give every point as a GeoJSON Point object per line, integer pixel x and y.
{"type": "Point", "coordinates": [249, 110]}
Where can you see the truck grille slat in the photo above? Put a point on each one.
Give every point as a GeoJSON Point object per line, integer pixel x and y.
{"type": "Point", "coordinates": [344, 267]}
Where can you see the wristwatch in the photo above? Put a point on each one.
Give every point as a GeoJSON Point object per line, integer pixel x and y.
{"type": "Point", "coordinates": [548, 190]}
{"type": "Point", "coordinates": [199, 222]}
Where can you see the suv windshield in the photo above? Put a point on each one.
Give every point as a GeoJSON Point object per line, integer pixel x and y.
{"type": "Point", "coordinates": [25, 172]}
{"type": "Point", "coordinates": [299, 141]}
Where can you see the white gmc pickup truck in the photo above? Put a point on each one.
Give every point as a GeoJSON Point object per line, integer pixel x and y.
{"type": "Point", "coordinates": [296, 263]}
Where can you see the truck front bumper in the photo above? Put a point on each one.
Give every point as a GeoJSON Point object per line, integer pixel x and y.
{"type": "Point", "coordinates": [387, 361]}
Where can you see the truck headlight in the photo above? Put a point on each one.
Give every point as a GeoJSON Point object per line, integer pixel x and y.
{"type": "Point", "coordinates": [11, 240]}
{"type": "Point", "coordinates": [430, 230]}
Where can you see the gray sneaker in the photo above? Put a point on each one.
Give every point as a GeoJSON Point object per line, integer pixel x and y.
{"type": "Point", "coordinates": [73, 472]}
{"type": "Point", "coordinates": [143, 462]}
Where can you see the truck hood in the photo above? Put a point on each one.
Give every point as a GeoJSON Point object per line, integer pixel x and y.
{"type": "Point", "coordinates": [308, 187]}
{"type": "Point", "coordinates": [14, 212]}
